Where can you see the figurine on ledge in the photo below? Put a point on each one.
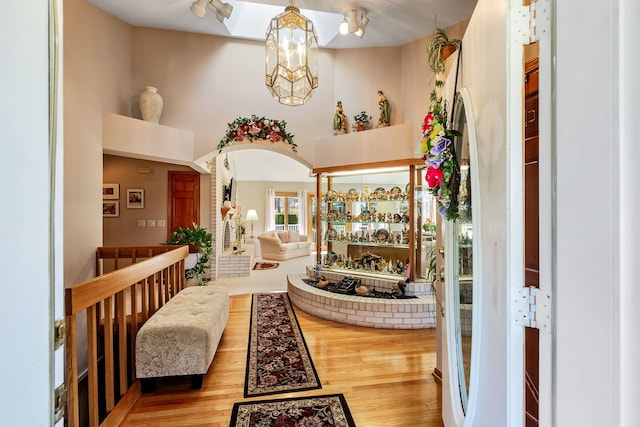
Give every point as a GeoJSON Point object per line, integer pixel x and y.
{"type": "Point", "coordinates": [339, 121]}
{"type": "Point", "coordinates": [383, 103]}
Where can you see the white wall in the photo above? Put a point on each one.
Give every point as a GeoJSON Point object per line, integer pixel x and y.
{"type": "Point", "coordinates": [484, 74]}
{"type": "Point", "coordinates": [26, 309]}
{"type": "Point", "coordinates": [596, 290]}
{"type": "Point", "coordinates": [629, 155]}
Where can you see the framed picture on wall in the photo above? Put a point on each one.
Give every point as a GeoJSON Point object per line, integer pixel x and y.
{"type": "Point", "coordinates": [111, 191]}
{"type": "Point", "coordinates": [135, 198]}
{"type": "Point", "coordinates": [111, 208]}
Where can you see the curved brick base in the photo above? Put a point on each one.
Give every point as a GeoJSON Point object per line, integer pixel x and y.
{"type": "Point", "coordinates": [413, 313]}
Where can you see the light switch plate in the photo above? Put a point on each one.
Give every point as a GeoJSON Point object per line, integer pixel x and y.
{"type": "Point", "coordinates": [161, 223]}
{"type": "Point", "coordinates": [151, 223]}
{"type": "Point", "coordinates": [141, 223]}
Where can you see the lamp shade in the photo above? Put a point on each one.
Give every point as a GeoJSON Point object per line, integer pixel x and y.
{"type": "Point", "coordinates": [291, 60]}
{"type": "Point", "coordinates": [252, 215]}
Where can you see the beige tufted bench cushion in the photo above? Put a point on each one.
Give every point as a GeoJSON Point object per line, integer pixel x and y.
{"type": "Point", "coordinates": [182, 337]}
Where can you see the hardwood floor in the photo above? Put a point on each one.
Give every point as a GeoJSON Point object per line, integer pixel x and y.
{"type": "Point", "coordinates": [385, 376]}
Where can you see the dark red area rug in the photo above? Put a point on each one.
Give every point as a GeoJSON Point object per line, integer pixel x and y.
{"type": "Point", "coordinates": [325, 411]}
{"type": "Point", "coordinates": [260, 265]}
{"type": "Point", "coordinates": [278, 359]}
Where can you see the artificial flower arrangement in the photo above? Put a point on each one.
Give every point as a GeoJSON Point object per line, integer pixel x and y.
{"type": "Point", "coordinates": [361, 117]}
{"type": "Point", "coordinates": [429, 226]}
{"type": "Point", "coordinates": [256, 128]}
{"type": "Point", "coordinates": [438, 153]}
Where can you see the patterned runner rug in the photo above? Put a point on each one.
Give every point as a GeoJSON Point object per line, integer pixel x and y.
{"type": "Point", "coordinates": [278, 360]}
{"type": "Point", "coordinates": [325, 411]}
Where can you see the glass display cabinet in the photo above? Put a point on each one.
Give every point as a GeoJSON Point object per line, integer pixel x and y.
{"type": "Point", "coordinates": [369, 220]}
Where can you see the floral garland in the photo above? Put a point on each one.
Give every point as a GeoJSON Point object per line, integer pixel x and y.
{"type": "Point", "coordinates": [256, 128]}
{"type": "Point", "coordinates": [439, 156]}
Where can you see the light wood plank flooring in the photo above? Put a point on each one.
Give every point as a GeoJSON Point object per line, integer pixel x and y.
{"type": "Point", "coordinates": [385, 376]}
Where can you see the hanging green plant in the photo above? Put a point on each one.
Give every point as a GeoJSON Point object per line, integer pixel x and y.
{"type": "Point", "coordinates": [439, 48]}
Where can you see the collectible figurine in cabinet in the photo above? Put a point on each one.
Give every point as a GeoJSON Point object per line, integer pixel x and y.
{"type": "Point", "coordinates": [366, 194]}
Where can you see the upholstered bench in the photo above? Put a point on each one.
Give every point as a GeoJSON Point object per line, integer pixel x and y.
{"type": "Point", "coordinates": [182, 337]}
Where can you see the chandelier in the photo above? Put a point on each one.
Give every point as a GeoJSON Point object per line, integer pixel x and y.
{"type": "Point", "coordinates": [291, 62]}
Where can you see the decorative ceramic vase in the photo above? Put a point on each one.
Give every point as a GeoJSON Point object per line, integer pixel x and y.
{"type": "Point", "coordinates": [150, 104]}
{"type": "Point", "coordinates": [362, 126]}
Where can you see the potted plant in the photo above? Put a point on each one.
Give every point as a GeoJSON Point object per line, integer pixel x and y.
{"type": "Point", "coordinates": [439, 48]}
{"type": "Point", "coordinates": [200, 242]}
{"type": "Point", "coordinates": [431, 276]}
{"type": "Point", "coordinates": [361, 121]}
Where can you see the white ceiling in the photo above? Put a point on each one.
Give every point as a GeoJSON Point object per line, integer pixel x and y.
{"type": "Point", "coordinates": [391, 23]}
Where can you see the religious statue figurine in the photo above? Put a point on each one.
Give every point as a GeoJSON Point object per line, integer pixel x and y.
{"type": "Point", "coordinates": [383, 103]}
{"type": "Point", "coordinates": [339, 121]}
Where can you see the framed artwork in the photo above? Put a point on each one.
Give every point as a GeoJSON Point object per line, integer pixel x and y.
{"type": "Point", "coordinates": [111, 191]}
{"type": "Point", "coordinates": [135, 198]}
{"type": "Point", "coordinates": [111, 208]}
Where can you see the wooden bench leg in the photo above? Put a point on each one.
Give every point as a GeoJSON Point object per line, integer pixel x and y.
{"type": "Point", "coordinates": [196, 381]}
{"type": "Point", "coordinates": [148, 385]}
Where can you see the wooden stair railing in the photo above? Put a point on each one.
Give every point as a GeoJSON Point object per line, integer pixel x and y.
{"type": "Point", "coordinates": [123, 298]}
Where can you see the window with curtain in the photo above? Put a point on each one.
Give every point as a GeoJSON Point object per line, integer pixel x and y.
{"type": "Point", "coordinates": [286, 209]}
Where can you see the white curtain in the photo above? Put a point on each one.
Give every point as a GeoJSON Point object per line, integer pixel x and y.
{"type": "Point", "coordinates": [269, 210]}
{"type": "Point", "coordinates": [302, 212]}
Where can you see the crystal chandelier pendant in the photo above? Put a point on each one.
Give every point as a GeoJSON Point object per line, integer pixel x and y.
{"type": "Point", "coordinates": [291, 60]}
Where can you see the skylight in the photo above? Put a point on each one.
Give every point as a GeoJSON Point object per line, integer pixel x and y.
{"type": "Point", "coordinates": [250, 20]}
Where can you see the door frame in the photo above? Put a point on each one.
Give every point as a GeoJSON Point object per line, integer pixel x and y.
{"type": "Point", "coordinates": [515, 214]}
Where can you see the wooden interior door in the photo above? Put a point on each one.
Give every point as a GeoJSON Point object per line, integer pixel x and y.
{"type": "Point", "coordinates": [183, 200]}
{"type": "Point", "coordinates": [531, 235]}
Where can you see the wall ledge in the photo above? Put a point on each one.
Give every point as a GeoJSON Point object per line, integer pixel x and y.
{"type": "Point", "coordinates": [129, 137]}
{"type": "Point", "coordinates": [394, 142]}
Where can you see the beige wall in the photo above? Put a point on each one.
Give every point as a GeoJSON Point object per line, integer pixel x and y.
{"type": "Point", "coordinates": [97, 78]}
{"type": "Point", "coordinates": [208, 81]}
{"type": "Point", "coordinates": [417, 79]}
{"type": "Point", "coordinates": [124, 230]}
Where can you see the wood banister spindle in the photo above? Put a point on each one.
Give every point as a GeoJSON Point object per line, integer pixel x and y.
{"type": "Point", "coordinates": [71, 374]}
{"type": "Point", "coordinates": [122, 342]}
{"type": "Point", "coordinates": [108, 354]}
{"type": "Point", "coordinates": [92, 364]}
{"type": "Point", "coordinates": [104, 300]}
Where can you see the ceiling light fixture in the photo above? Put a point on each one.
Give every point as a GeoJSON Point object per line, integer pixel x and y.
{"type": "Point", "coordinates": [291, 60]}
{"type": "Point", "coordinates": [198, 8]}
{"type": "Point", "coordinates": [344, 26]}
{"type": "Point", "coordinates": [222, 10]}
{"type": "Point", "coordinates": [353, 24]}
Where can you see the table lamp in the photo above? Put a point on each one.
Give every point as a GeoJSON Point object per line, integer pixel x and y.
{"type": "Point", "coordinates": [252, 216]}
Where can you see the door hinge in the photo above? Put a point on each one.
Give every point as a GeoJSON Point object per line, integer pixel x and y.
{"type": "Point", "coordinates": [533, 308]}
{"type": "Point", "coordinates": [60, 403]}
{"type": "Point", "coordinates": [531, 22]}
{"type": "Point", "coordinates": [58, 334]}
